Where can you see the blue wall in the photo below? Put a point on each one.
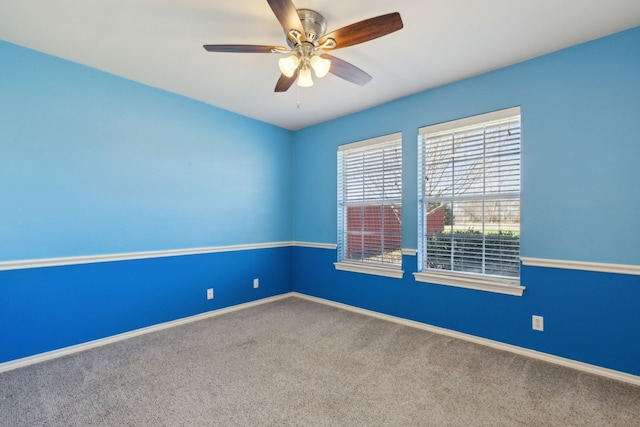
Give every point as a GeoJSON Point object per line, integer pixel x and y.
{"type": "Point", "coordinates": [580, 202]}
{"type": "Point", "coordinates": [43, 309]}
{"type": "Point", "coordinates": [580, 150]}
{"type": "Point", "coordinates": [121, 167]}
{"type": "Point", "coordinates": [95, 164]}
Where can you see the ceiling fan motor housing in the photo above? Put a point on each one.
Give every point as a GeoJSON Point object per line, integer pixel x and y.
{"type": "Point", "coordinates": [314, 25]}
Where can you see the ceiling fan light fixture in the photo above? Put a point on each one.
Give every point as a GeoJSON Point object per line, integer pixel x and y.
{"type": "Point", "coordinates": [320, 65]}
{"type": "Point", "coordinates": [306, 36]}
{"type": "Point", "coordinates": [304, 78]}
{"type": "Point", "coordinates": [289, 65]}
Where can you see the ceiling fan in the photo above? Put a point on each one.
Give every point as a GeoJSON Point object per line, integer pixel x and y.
{"type": "Point", "coordinates": [307, 41]}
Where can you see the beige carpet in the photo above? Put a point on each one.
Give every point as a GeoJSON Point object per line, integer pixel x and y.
{"type": "Point", "coordinates": [296, 362]}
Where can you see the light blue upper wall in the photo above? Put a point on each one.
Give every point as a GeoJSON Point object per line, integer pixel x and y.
{"type": "Point", "coordinates": [91, 163]}
{"type": "Point", "coordinates": [581, 150]}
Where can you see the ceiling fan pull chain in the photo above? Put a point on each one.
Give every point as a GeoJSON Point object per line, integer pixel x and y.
{"type": "Point", "coordinates": [298, 102]}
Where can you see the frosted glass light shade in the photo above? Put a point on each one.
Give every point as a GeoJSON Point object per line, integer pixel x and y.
{"type": "Point", "coordinates": [304, 78]}
{"type": "Point", "coordinates": [320, 65]}
{"type": "Point", "coordinates": [288, 65]}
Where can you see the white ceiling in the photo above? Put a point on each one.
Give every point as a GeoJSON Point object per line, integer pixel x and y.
{"type": "Point", "coordinates": [159, 43]}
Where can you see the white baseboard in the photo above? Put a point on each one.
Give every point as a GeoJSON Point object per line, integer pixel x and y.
{"type": "Point", "coordinates": [31, 360]}
{"type": "Point", "coordinates": [573, 364]}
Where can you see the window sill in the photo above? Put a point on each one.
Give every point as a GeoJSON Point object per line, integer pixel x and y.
{"type": "Point", "coordinates": [479, 283]}
{"type": "Point", "coordinates": [378, 270]}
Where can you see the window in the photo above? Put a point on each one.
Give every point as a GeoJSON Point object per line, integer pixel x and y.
{"type": "Point", "coordinates": [469, 202]}
{"type": "Point", "coordinates": [370, 206]}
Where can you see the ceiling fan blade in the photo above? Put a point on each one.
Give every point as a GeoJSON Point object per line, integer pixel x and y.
{"type": "Point", "coordinates": [284, 82]}
{"type": "Point", "coordinates": [366, 30]}
{"type": "Point", "coordinates": [240, 48]}
{"type": "Point", "coordinates": [287, 14]}
{"type": "Point", "coordinates": [347, 71]}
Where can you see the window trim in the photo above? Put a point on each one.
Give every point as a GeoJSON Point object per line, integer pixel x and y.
{"type": "Point", "coordinates": [365, 143]}
{"type": "Point", "coordinates": [471, 281]}
{"type": "Point", "coordinates": [386, 270]}
{"type": "Point", "coordinates": [356, 266]}
{"type": "Point", "coordinates": [470, 121]}
{"type": "Point", "coordinates": [481, 282]}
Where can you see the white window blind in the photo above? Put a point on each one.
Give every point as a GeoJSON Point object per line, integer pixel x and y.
{"type": "Point", "coordinates": [370, 201]}
{"type": "Point", "coordinates": [470, 195]}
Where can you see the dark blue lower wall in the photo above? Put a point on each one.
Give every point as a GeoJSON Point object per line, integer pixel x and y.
{"type": "Point", "coordinates": [589, 317]}
{"type": "Point", "coordinates": [43, 309]}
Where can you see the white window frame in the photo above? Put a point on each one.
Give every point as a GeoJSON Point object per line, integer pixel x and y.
{"type": "Point", "coordinates": [376, 267]}
{"type": "Point", "coordinates": [477, 281]}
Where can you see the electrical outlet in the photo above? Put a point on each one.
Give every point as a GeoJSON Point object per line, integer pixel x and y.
{"type": "Point", "coordinates": [210, 293]}
{"type": "Point", "coordinates": [537, 323]}
{"type": "Point", "coordinates": [256, 283]}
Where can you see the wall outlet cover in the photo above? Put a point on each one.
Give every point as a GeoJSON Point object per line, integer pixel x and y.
{"type": "Point", "coordinates": [537, 323]}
